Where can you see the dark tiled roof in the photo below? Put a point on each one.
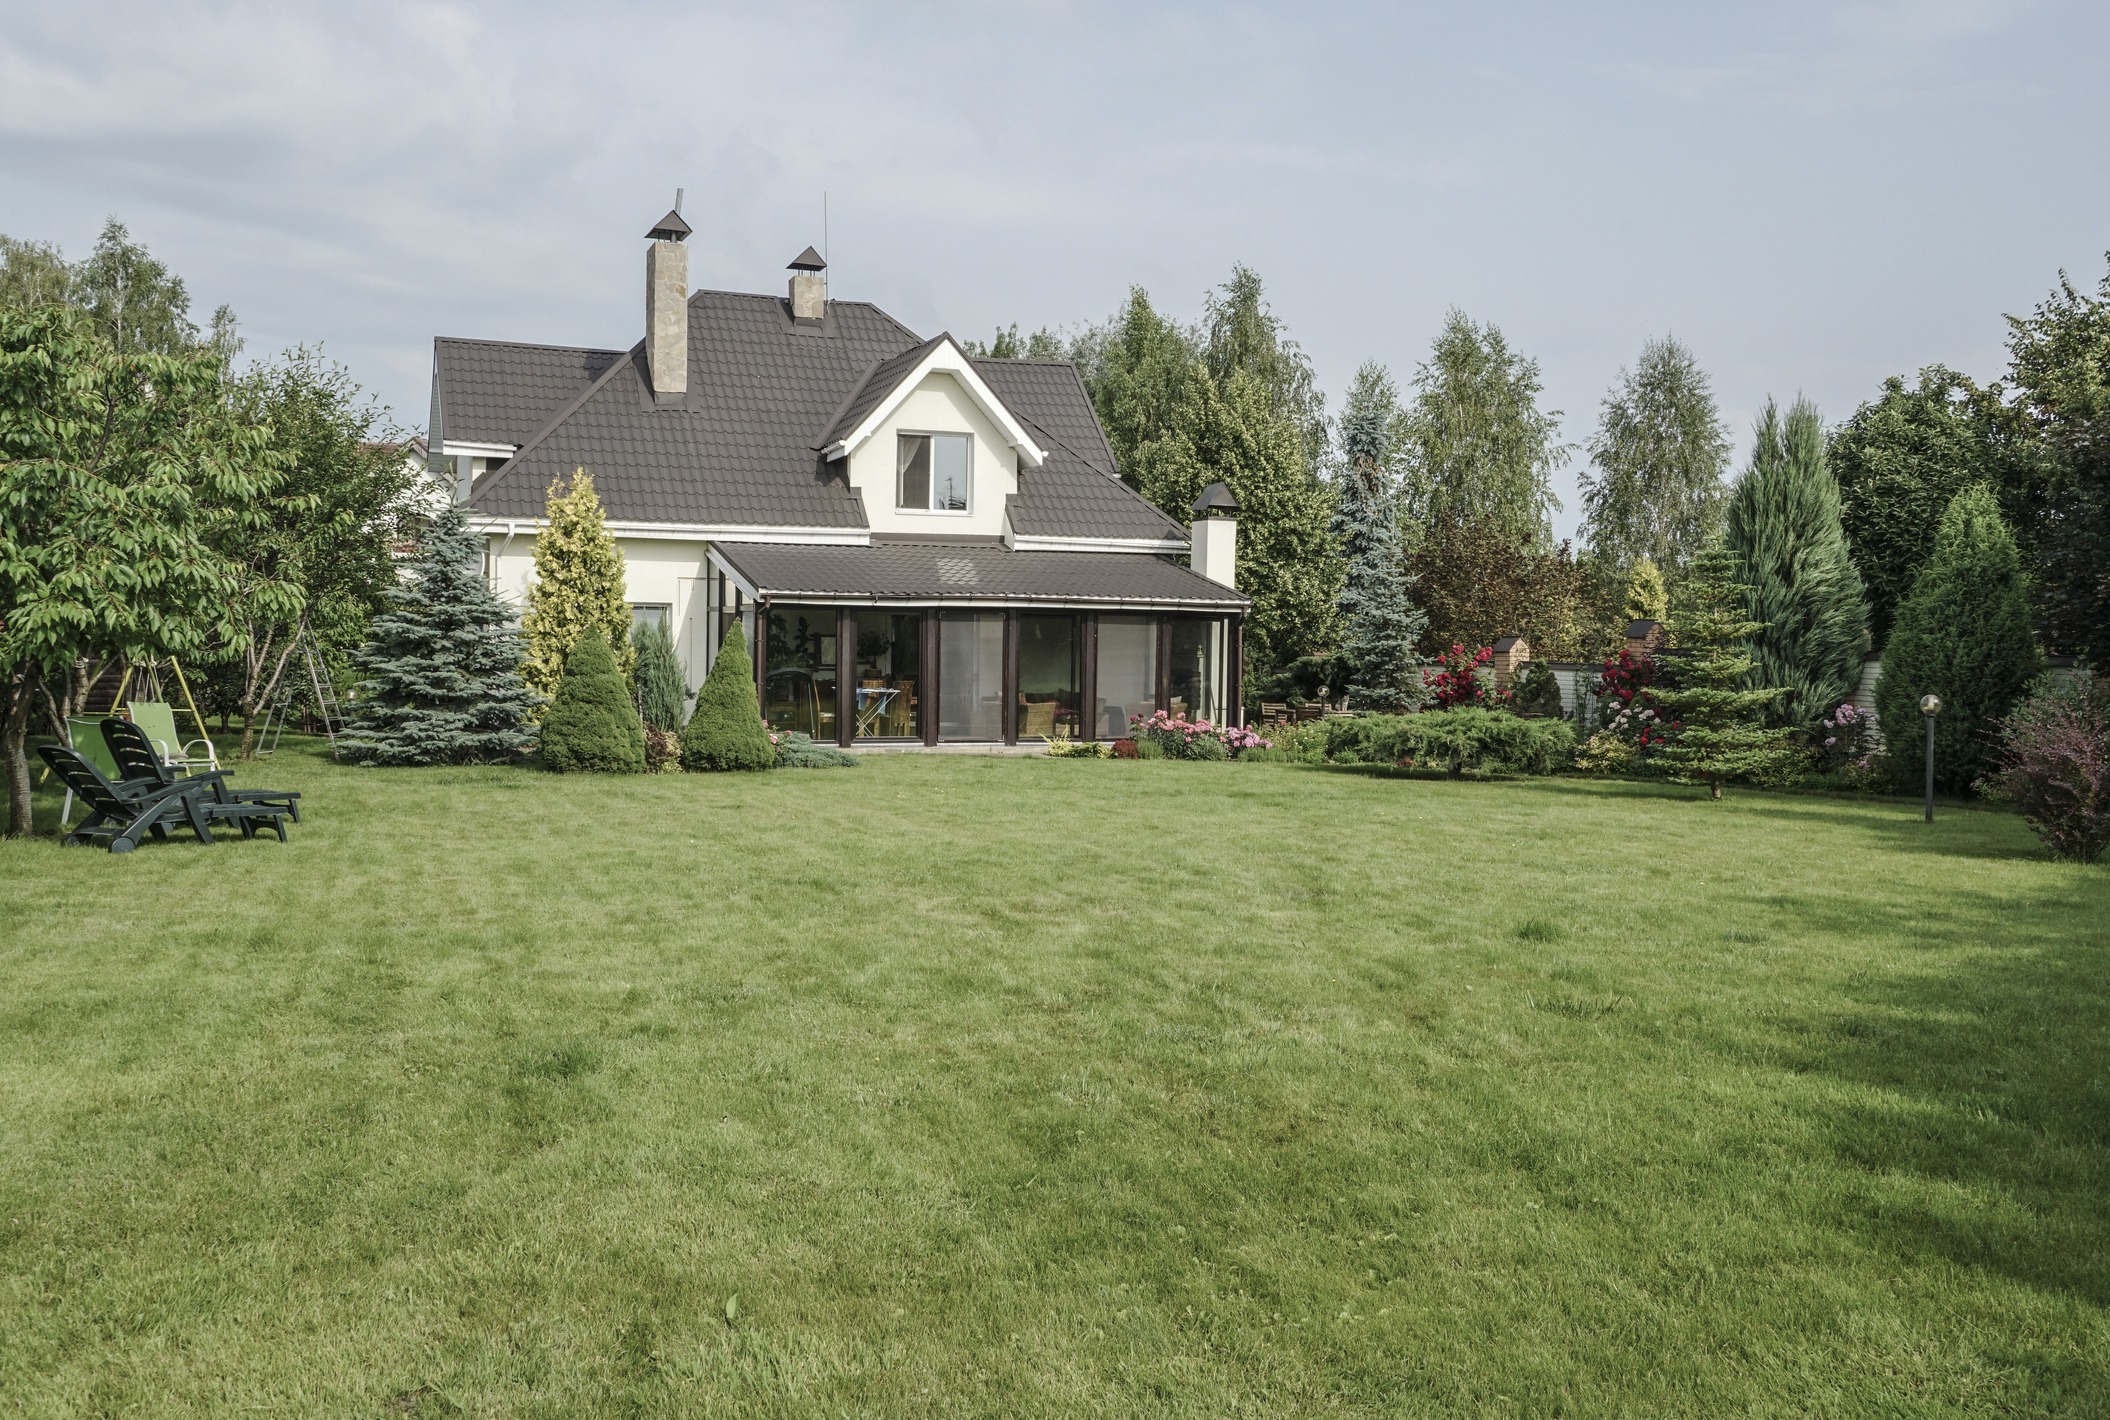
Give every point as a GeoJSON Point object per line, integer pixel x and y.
{"type": "Point", "coordinates": [739, 448]}
{"type": "Point", "coordinates": [743, 447]}
{"type": "Point", "coordinates": [972, 572]}
{"type": "Point", "coordinates": [877, 385]}
{"type": "Point", "coordinates": [1077, 491]}
{"type": "Point", "coordinates": [495, 392]}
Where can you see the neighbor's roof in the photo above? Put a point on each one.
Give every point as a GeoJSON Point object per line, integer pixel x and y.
{"type": "Point", "coordinates": [965, 571]}
{"type": "Point", "coordinates": [499, 392]}
{"type": "Point", "coordinates": [743, 447]}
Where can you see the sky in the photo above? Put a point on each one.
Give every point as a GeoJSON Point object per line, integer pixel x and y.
{"type": "Point", "coordinates": [1812, 197]}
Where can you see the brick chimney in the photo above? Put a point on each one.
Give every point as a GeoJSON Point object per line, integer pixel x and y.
{"type": "Point", "coordinates": [809, 288]}
{"type": "Point", "coordinates": [667, 308]}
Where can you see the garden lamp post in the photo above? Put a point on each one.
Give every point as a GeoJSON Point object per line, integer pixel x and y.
{"type": "Point", "coordinates": [1930, 706]}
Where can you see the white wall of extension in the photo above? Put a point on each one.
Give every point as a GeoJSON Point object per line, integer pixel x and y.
{"type": "Point", "coordinates": [656, 572]}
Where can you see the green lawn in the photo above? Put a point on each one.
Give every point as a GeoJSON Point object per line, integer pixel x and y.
{"type": "Point", "coordinates": [1023, 1088]}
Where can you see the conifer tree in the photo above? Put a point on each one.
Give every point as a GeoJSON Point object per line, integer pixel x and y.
{"type": "Point", "coordinates": [727, 732]}
{"type": "Point", "coordinates": [442, 665]}
{"type": "Point", "coordinates": [662, 693]}
{"type": "Point", "coordinates": [1963, 633]}
{"type": "Point", "coordinates": [1383, 628]}
{"type": "Point", "coordinates": [1714, 732]}
{"type": "Point", "coordinates": [592, 726]}
{"type": "Point", "coordinates": [1799, 579]}
{"type": "Point", "coordinates": [578, 583]}
{"type": "Point", "coordinates": [1646, 600]}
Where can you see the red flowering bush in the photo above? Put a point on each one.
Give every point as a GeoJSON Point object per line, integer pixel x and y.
{"type": "Point", "coordinates": [2055, 765]}
{"type": "Point", "coordinates": [1623, 706]}
{"type": "Point", "coordinates": [1458, 682]}
{"type": "Point", "coordinates": [1124, 749]}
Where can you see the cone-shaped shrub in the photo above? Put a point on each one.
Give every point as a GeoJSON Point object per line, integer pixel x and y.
{"type": "Point", "coordinates": [1962, 633]}
{"type": "Point", "coordinates": [726, 732]}
{"type": "Point", "coordinates": [592, 725]}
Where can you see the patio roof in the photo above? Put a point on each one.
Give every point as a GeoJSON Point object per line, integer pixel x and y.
{"type": "Point", "coordinates": [969, 573]}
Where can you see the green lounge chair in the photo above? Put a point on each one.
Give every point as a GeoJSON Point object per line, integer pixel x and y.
{"type": "Point", "coordinates": [158, 721]}
{"type": "Point", "coordinates": [135, 758]}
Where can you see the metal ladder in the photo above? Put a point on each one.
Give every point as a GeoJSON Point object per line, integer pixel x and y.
{"type": "Point", "coordinates": [326, 703]}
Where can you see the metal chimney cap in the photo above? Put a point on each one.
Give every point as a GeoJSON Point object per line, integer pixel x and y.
{"type": "Point", "coordinates": [807, 260]}
{"type": "Point", "coordinates": [1216, 500]}
{"type": "Point", "coordinates": [669, 228]}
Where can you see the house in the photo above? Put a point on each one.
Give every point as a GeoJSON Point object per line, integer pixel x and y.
{"type": "Point", "coordinates": [922, 546]}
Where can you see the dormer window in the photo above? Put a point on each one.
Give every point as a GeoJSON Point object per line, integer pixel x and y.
{"type": "Point", "coordinates": [934, 471]}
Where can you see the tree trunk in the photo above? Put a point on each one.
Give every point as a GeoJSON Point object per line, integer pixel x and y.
{"type": "Point", "coordinates": [253, 695]}
{"type": "Point", "coordinates": [14, 735]}
{"type": "Point", "coordinates": [1714, 789]}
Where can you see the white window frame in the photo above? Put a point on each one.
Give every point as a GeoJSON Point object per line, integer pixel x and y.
{"type": "Point", "coordinates": [927, 511]}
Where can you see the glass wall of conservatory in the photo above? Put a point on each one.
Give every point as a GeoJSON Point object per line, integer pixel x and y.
{"type": "Point", "coordinates": [799, 679]}
{"type": "Point", "coordinates": [971, 675]}
{"type": "Point", "coordinates": [1050, 677]}
{"type": "Point", "coordinates": [887, 690]}
{"type": "Point", "coordinates": [1127, 687]}
{"type": "Point", "coordinates": [1197, 658]}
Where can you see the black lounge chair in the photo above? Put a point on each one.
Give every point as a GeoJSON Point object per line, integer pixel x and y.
{"type": "Point", "coordinates": [124, 817]}
{"type": "Point", "coordinates": [138, 761]}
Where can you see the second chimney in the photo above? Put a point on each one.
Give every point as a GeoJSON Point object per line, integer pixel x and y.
{"type": "Point", "coordinates": [809, 288]}
{"type": "Point", "coordinates": [667, 310]}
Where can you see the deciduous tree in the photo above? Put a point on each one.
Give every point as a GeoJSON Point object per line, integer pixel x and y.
{"type": "Point", "coordinates": [327, 530]}
{"type": "Point", "coordinates": [1899, 462]}
{"type": "Point", "coordinates": [114, 468]}
{"type": "Point", "coordinates": [1659, 454]}
{"type": "Point", "coordinates": [2059, 369]}
{"type": "Point", "coordinates": [1479, 451]}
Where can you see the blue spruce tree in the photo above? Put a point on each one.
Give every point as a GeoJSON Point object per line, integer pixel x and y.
{"type": "Point", "coordinates": [1384, 628]}
{"type": "Point", "coordinates": [442, 665]}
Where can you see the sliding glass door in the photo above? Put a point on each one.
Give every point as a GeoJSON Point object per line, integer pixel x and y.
{"type": "Point", "coordinates": [971, 675]}
{"type": "Point", "coordinates": [1050, 681]}
{"type": "Point", "coordinates": [1128, 673]}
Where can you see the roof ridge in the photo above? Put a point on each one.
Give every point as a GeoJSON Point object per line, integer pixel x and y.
{"type": "Point", "coordinates": [558, 418]}
{"type": "Point", "coordinates": [526, 345]}
{"type": "Point", "coordinates": [873, 306]}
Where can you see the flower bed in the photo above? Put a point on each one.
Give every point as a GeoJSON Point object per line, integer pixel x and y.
{"type": "Point", "coordinates": [1178, 738]}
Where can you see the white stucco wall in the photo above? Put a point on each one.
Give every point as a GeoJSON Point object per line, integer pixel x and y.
{"type": "Point", "coordinates": [669, 572]}
{"type": "Point", "coordinates": [938, 405]}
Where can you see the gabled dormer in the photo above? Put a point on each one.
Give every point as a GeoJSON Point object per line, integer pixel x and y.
{"type": "Point", "coordinates": [929, 447]}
